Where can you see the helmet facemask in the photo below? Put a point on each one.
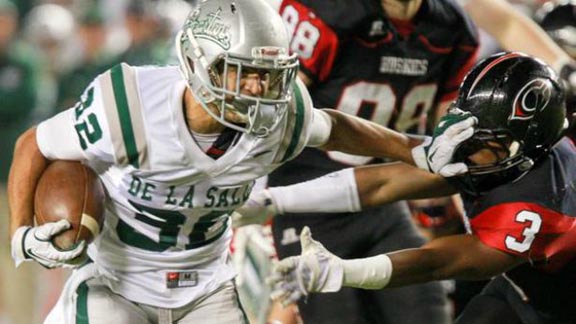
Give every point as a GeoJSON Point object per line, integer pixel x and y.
{"type": "Point", "coordinates": [504, 160]}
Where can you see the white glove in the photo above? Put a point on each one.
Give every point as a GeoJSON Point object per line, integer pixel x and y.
{"type": "Point", "coordinates": [35, 243]}
{"type": "Point", "coordinates": [315, 270]}
{"type": "Point", "coordinates": [435, 153]}
{"type": "Point", "coordinates": [256, 210]}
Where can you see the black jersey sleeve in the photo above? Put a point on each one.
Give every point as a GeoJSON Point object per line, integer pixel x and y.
{"type": "Point", "coordinates": [463, 51]}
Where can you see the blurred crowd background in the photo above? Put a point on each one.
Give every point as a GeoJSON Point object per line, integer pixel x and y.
{"type": "Point", "coordinates": [49, 52]}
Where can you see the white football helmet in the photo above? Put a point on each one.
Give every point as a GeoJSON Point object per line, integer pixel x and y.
{"type": "Point", "coordinates": [246, 36]}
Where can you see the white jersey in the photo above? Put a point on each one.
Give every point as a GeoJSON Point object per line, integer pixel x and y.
{"type": "Point", "coordinates": [167, 229]}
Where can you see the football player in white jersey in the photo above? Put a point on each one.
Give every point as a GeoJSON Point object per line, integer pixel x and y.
{"type": "Point", "coordinates": [177, 150]}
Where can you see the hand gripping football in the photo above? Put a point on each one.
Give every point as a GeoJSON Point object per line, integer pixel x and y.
{"type": "Point", "coordinates": [72, 191]}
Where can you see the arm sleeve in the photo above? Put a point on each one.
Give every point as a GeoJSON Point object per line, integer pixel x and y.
{"type": "Point", "coordinates": [78, 133]}
{"type": "Point", "coordinates": [313, 40]}
{"type": "Point", "coordinates": [336, 192]}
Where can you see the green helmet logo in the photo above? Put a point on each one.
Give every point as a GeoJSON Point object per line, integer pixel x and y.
{"type": "Point", "coordinates": [211, 27]}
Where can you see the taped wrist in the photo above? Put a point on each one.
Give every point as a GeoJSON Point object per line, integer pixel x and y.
{"type": "Point", "coordinates": [18, 249]}
{"type": "Point", "coordinates": [335, 192]}
{"type": "Point", "coordinates": [367, 273]}
{"type": "Point", "coordinates": [419, 154]}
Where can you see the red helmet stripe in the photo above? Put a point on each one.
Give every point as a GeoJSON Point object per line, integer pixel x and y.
{"type": "Point", "coordinates": [490, 66]}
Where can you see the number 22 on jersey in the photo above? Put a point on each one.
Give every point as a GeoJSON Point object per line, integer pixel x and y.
{"type": "Point", "coordinates": [87, 127]}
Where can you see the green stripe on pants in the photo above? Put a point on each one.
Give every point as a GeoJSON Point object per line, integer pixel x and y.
{"type": "Point", "coordinates": [82, 304]}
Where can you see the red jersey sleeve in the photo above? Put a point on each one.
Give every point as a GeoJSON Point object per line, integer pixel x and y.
{"type": "Point", "coordinates": [528, 230]}
{"type": "Point", "coordinates": [312, 39]}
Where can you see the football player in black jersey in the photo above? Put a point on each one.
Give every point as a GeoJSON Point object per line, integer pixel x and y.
{"type": "Point", "coordinates": [518, 186]}
{"type": "Point", "coordinates": [396, 63]}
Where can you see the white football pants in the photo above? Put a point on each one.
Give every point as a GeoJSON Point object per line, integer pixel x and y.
{"type": "Point", "coordinates": [87, 300]}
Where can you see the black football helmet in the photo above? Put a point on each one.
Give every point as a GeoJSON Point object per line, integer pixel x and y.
{"type": "Point", "coordinates": [521, 113]}
{"type": "Point", "coordinates": [558, 19]}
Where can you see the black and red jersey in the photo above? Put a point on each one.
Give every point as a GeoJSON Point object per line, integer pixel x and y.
{"type": "Point", "coordinates": [359, 57]}
{"type": "Point", "coordinates": [363, 63]}
{"type": "Point", "coordinates": [535, 218]}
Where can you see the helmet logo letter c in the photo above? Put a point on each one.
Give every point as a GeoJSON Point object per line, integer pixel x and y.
{"type": "Point", "coordinates": [533, 97]}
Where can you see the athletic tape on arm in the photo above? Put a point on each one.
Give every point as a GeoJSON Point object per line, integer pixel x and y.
{"type": "Point", "coordinates": [335, 192]}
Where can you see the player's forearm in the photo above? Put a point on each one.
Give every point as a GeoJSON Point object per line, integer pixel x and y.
{"type": "Point", "coordinates": [395, 269]}
{"type": "Point", "coordinates": [335, 192]}
{"type": "Point", "coordinates": [347, 190]}
{"type": "Point", "coordinates": [357, 136]}
{"type": "Point", "coordinates": [350, 190]}
{"type": "Point", "coordinates": [461, 256]}
{"type": "Point", "coordinates": [27, 166]}
{"type": "Point", "coordinates": [382, 184]}
{"type": "Point", "coordinates": [514, 31]}
{"type": "Point", "coordinates": [525, 36]}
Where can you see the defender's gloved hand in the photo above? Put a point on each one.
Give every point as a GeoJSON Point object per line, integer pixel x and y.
{"type": "Point", "coordinates": [436, 152]}
{"type": "Point", "coordinates": [35, 243]}
{"type": "Point", "coordinates": [257, 210]}
{"type": "Point", "coordinates": [315, 270]}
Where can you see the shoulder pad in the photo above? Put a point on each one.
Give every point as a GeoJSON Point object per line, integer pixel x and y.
{"type": "Point", "coordinates": [298, 121]}
{"type": "Point", "coordinates": [124, 114]}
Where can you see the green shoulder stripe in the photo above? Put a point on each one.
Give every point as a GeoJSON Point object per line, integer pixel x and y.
{"type": "Point", "coordinates": [123, 112]}
{"type": "Point", "coordinates": [298, 124]}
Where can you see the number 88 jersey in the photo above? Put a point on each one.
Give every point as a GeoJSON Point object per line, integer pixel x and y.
{"type": "Point", "coordinates": [365, 64]}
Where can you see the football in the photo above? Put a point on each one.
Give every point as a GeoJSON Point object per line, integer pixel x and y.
{"type": "Point", "coordinates": [72, 191]}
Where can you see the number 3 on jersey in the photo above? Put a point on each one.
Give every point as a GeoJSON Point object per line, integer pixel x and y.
{"type": "Point", "coordinates": [87, 126]}
{"type": "Point", "coordinates": [533, 223]}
